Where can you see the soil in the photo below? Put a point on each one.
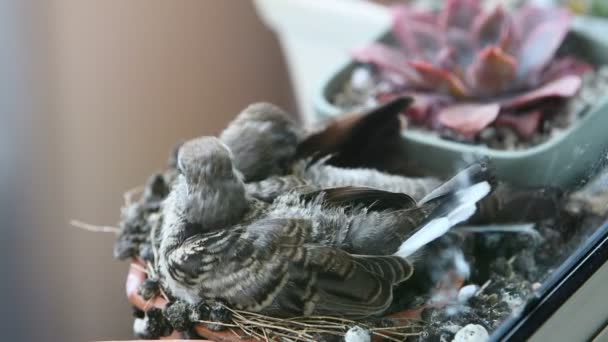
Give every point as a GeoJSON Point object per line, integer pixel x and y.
{"type": "Point", "coordinates": [366, 85]}
{"type": "Point", "coordinates": [506, 268]}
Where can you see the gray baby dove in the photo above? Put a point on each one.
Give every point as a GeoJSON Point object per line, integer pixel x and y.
{"type": "Point", "coordinates": [333, 251]}
{"type": "Point", "coordinates": [266, 143]}
{"type": "Point", "coordinates": [263, 139]}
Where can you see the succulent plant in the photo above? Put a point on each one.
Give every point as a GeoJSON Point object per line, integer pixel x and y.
{"type": "Point", "coordinates": [468, 68]}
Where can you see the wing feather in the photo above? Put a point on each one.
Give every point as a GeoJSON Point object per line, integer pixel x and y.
{"type": "Point", "coordinates": [357, 197]}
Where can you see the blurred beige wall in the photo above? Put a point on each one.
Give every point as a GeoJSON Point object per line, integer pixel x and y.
{"type": "Point", "coordinates": [124, 81]}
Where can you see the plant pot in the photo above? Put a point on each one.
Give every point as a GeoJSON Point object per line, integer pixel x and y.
{"type": "Point", "coordinates": [564, 160]}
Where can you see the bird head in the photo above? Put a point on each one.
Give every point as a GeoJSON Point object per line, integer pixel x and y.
{"type": "Point", "coordinates": [209, 184]}
{"type": "Point", "coordinates": [205, 159]}
{"type": "Point", "coordinates": [264, 139]}
{"type": "Point", "coordinates": [264, 112]}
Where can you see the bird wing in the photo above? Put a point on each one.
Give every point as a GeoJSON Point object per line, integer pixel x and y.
{"type": "Point", "coordinates": [270, 267]}
{"type": "Point", "coordinates": [348, 135]}
{"type": "Point", "coordinates": [371, 139]}
{"type": "Point", "coordinates": [353, 285]}
{"type": "Point", "coordinates": [357, 197]}
{"type": "Point", "coordinates": [272, 187]}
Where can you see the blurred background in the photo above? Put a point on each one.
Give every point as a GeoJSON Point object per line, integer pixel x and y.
{"type": "Point", "coordinates": [93, 95]}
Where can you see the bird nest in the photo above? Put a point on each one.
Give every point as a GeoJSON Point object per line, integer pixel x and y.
{"type": "Point", "coordinates": [220, 322]}
{"type": "Point", "coordinates": [235, 325]}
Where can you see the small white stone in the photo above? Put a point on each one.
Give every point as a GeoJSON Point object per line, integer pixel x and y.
{"type": "Point", "coordinates": [536, 286]}
{"type": "Point", "coordinates": [360, 78]}
{"type": "Point", "coordinates": [462, 266]}
{"type": "Point", "coordinates": [357, 334]}
{"type": "Point", "coordinates": [466, 293]}
{"type": "Point", "coordinates": [472, 333]}
{"type": "Point", "coordinates": [140, 327]}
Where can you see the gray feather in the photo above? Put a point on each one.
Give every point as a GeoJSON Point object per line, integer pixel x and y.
{"type": "Point", "coordinates": [304, 252]}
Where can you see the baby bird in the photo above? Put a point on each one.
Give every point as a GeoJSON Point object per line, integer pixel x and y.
{"type": "Point", "coordinates": [324, 252]}
{"type": "Point", "coordinates": [269, 147]}
{"type": "Point", "coordinates": [263, 139]}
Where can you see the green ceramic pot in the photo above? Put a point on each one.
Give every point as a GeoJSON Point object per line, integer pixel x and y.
{"type": "Point", "coordinates": [565, 160]}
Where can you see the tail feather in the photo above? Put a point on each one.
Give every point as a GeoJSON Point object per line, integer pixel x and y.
{"type": "Point", "coordinates": [475, 173]}
{"type": "Point", "coordinates": [456, 208]}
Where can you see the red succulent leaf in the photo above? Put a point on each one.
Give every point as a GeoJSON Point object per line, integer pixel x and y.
{"type": "Point", "coordinates": [417, 36]}
{"type": "Point", "coordinates": [461, 45]}
{"type": "Point", "coordinates": [402, 16]}
{"type": "Point", "coordinates": [469, 118]}
{"type": "Point", "coordinates": [540, 45]}
{"type": "Point", "coordinates": [458, 13]}
{"type": "Point", "coordinates": [565, 66]}
{"type": "Point", "coordinates": [446, 58]}
{"type": "Point", "coordinates": [424, 105]}
{"type": "Point", "coordinates": [527, 18]}
{"type": "Point", "coordinates": [488, 27]}
{"type": "Point", "coordinates": [524, 124]}
{"type": "Point", "coordinates": [388, 59]}
{"type": "Point", "coordinates": [509, 37]}
{"type": "Point", "coordinates": [393, 79]}
{"type": "Point", "coordinates": [440, 80]}
{"type": "Point", "coordinates": [492, 71]}
{"type": "Point", "coordinates": [406, 13]}
{"type": "Point", "coordinates": [566, 86]}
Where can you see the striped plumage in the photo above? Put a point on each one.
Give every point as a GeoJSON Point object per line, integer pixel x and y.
{"type": "Point", "coordinates": [272, 266]}
{"type": "Point", "coordinates": [324, 252]}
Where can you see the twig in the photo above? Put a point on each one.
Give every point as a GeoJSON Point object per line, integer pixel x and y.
{"type": "Point", "coordinates": [162, 293]}
{"type": "Point", "coordinates": [268, 328]}
{"type": "Point", "coordinates": [512, 259]}
{"type": "Point", "coordinates": [147, 305]}
{"type": "Point", "coordinates": [139, 268]}
{"type": "Point", "coordinates": [94, 228]}
{"type": "Point", "coordinates": [483, 287]}
{"type": "Point", "coordinates": [218, 323]}
{"type": "Point", "coordinates": [128, 196]}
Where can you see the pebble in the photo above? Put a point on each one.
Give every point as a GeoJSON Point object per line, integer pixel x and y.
{"type": "Point", "coordinates": [472, 333]}
{"type": "Point", "coordinates": [357, 334]}
{"type": "Point", "coordinates": [361, 79]}
{"type": "Point", "coordinates": [536, 286]}
{"type": "Point", "coordinates": [140, 327]}
{"type": "Point", "coordinates": [466, 292]}
{"type": "Point", "coordinates": [461, 265]}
